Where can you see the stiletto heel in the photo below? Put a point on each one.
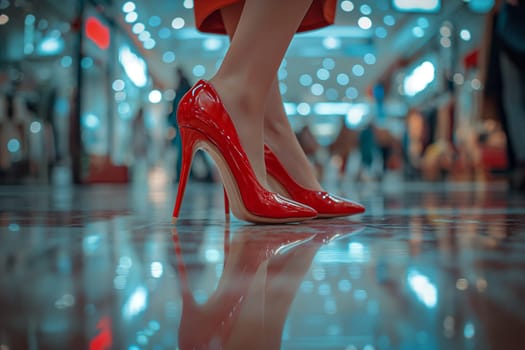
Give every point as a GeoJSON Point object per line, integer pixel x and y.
{"type": "Point", "coordinates": [327, 205]}
{"type": "Point", "coordinates": [226, 203]}
{"type": "Point", "coordinates": [188, 150]}
{"type": "Point", "coordinates": [205, 124]}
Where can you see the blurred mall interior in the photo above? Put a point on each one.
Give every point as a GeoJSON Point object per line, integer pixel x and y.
{"type": "Point", "coordinates": [87, 88]}
{"type": "Point", "coordinates": [413, 108]}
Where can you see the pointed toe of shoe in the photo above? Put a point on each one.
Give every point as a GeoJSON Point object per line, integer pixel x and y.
{"type": "Point", "coordinates": [329, 205]}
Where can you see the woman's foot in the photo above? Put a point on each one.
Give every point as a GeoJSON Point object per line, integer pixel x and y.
{"type": "Point", "coordinates": [246, 114]}
{"type": "Point", "coordinates": [281, 139]}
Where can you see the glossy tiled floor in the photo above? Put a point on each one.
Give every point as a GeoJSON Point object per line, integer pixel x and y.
{"type": "Point", "coordinates": [428, 267]}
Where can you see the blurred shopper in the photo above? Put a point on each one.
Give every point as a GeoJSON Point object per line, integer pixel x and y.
{"type": "Point", "coordinates": [504, 93]}
{"type": "Point", "coordinates": [389, 147]}
{"type": "Point", "coordinates": [414, 143]}
{"type": "Point", "coordinates": [41, 144]}
{"type": "Point", "coordinates": [370, 161]}
{"type": "Point", "coordinates": [346, 142]}
{"type": "Point", "coordinates": [510, 29]}
{"type": "Point", "coordinates": [13, 135]}
{"type": "Point", "coordinates": [240, 110]}
{"type": "Point", "coordinates": [311, 148]}
{"type": "Point", "coordinates": [140, 144]}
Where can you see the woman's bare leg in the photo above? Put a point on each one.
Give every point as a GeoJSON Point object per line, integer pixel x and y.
{"type": "Point", "coordinates": [278, 133]}
{"type": "Point", "coordinates": [263, 34]}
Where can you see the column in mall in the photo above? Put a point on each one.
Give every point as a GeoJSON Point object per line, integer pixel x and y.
{"type": "Point", "coordinates": [75, 134]}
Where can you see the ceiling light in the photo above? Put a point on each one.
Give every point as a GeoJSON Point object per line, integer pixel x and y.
{"type": "Point", "coordinates": [91, 121]}
{"type": "Point", "coordinates": [145, 35]}
{"type": "Point", "coordinates": [317, 89]}
{"type": "Point", "coordinates": [465, 34]}
{"type": "Point", "coordinates": [422, 22]}
{"type": "Point", "coordinates": [35, 127]}
{"type": "Point", "coordinates": [476, 84]}
{"type": "Point", "coordinates": [212, 44]}
{"type": "Point", "coordinates": [347, 6]}
{"type": "Point", "coordinates": [3, 19]}
{"type": "Point", "coordinates": [389, 20]}
{"type": "Point", "coordinates": [134, 66]}
{"type": "Point", "coordinates": [168, 57]}
{"type": "Point", "coordinates": [199, 70]}
{"type": "Point", "coordinates": [155, 96]}
{"type": "Point", "coordinates": [118, 85]}
{"type": "Point", "coordinates": [66, 61]}
{"type": "Point", "coordinates": [418, 32]}
{"type": "Point", "coordinates": [303, 108]}
{"type": "Point", "coordinates": [169, 95]}
{"type": "Point", "coordinates": [343, 79]}
{"type": "Point", "coordinates": [445, 30]}
{"type": "Point", "coordinates": [329, 63]}
{"type": "Point", "coordinates": [138, 28]}
{"type": "Point", "coordinates": [150, 44]}
{"type": "Point", "coordinates": [131, 17]}
{"type": "Point", "coordinates": [331, 43]}
{"type": "Point", "coordinates": [417, 5]}
{"type": "Point", "coordinates": [178, 23]}
{"type": "Point", "coordinates": [164, 33]}
{"type": "Point", "coordinates": [365, 9]}
{"type": "Point", "coordinates": [305, 80]}
{"type": "Point", "coordinates": [154, 21]}
{"type": "Point", "coordinates": [323, 74]}
{"type": "Point", "coordinates": [419, 78]}
{"type": "Point", "coordinates": [124, 110]}
{"type": "Point", "coordinates": [459, 79]}
{"type": "Point", "coordinates": [128, 6]}
{"type": "Point", "coordinates": [370, 58]}
{"type": "Point", "coordinates": [358, 70]}
{"type": "Point", "coordinates": [445, 42]}
{"type": "Point", "coordinates": [364, 23]}
{"type": "Point", "coordinates": [356, 114]}
{"type": "Point", "coordinates": [352, 92]}
{"type": "Point", "coordinates": [381, 32]}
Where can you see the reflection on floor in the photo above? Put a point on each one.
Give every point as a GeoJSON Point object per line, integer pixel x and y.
{"type": "Point", "coordinates": [429, 266]}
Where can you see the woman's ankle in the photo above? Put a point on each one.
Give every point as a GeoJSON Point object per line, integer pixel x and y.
{"type": "Point", "coordinates": [248, 122]}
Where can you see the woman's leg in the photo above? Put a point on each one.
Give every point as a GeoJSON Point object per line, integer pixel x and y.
{"type": "Point", "coordinates": [244, 79]}
{"type": "Point", "coordinates": [278, 133]}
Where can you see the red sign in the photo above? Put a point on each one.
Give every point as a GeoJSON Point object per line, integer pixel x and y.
{"type": "Point", "coordinates": [97, 32]}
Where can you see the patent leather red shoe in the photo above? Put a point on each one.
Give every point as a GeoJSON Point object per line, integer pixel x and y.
{"type": "Point", "coordinates": [326, 204]}
{"type": "Point", "coordinates": [205, 124]}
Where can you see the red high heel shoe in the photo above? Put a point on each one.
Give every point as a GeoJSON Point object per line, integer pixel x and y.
{"type": "Point", "coordinates": [205, 124]}
{"type": "Point", "coordinates": [326, 204]}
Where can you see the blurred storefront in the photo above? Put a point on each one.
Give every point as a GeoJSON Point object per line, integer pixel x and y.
{"type": "Point", "coordinates": [441, 84]}
{"type": "Point", "coordinates": [74, 91]}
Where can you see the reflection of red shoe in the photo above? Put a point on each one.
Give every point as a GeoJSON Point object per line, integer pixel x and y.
{"type": "Point", "coordinates": [212, 325]}
{"type": "Point", "coordinates": [335, 229]}
{"type": "Point", "coordinates": [205, 124]}
{"type": "Point", "coordinates": [326, 204]}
